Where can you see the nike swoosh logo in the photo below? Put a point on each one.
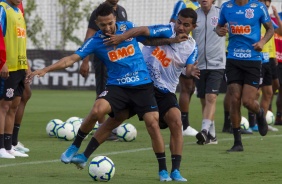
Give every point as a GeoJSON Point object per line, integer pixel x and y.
{"type": "Point", "coordinates": [153, 107]}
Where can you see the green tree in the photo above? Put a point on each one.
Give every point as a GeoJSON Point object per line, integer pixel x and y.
{"type": "Point", "coordinates": [35, 24]}
{"type": "Point", "coordinates": [73, 12]}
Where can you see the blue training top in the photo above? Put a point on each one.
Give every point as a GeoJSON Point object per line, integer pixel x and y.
{"type": "Point", "coordinates": [244, 28]}
{"type": "Point", "coordinates": [125, 63]}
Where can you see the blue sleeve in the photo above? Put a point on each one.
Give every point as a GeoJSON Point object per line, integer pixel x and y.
{"type": "Point", "coordinates": [222, 21]}
{"type": "Point", "coordinates": [177, 7]}
{"type": "Point", "coordinates": [164, 31]}
{"type": "Point", "coordinates": [275, 26]}
{"type": "Point", "coordinates": [87, 48]}
{"type": "Point", "coordinates": [3, 22]}
{"type": "Point", "coordinates": [265, 15]}
{"type": "Point", "coordinates": [193, 57]}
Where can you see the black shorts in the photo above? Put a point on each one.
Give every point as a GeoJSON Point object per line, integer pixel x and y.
{"type": "Point", "coordinates": [243, 72]}
{"type": "Point", "coordinates": [274, 69]}
{"type": "Point", "coordinates": [209, 82]}
{"type": "Point", "coordinates": [266, 74]}
{"type": "Point", "coordinates": [280, 73]}
{"type": "Point", "coordinates": [139, 99]}
{"type": "Point", "coordinates": [165, 101]}
{"type": "Point", "coordinates": [12, 86]}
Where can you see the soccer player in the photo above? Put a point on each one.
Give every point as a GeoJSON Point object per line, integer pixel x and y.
{"type": "Point", "coordinates": [278, 43]}
{"type": "Point", "coordinates": [243, 65]}
{"type": "Point", "coordinates": [165, 64]}
{"type": "Point", "coordinates": [187, 84]}
{"type": "Point", "coordinates": [12, 74]}
{"type": "Point", "coordinates": [99, 67]}
{"type": "Point", "coordinates": [128, 87]}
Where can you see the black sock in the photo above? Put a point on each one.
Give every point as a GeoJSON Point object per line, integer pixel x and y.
{"type": "Point", "coordinates": [252, 119]}
{"type": "Point", "coordinates": [237, 136]}
{"type": "Point", "coordinates": [79, 138]}
{"type": "Point", "coordinates": [185, 119]}
{"type": "Point", "coordinates": [91, 147]}
{"type": "Point", "coordinates": [2, 141]}
{"type": "Point", "coordinates": [161, 160]}
{"type": "Point", "coordinates": [278, 115]}
{"type": "Point", "coordinates": [175, 160]}
{"type": "Point", "coordinates": [227, 122]}
{"type": "Point", "coordinates": [8, 141]}
{"type": "Point", "coordinates": [15, 134]}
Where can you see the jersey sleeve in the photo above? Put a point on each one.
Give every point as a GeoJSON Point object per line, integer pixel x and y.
{"type": "Point", "coordinates": [87, 48]}
{"type": "Point", "coordinates": [163, 31]}
{"type": "Point", "coordinates": [221, 20]}
{"type": "Point", "coordinates": [265, 15]}
{"type": "Point", "coordinates": [193, 57]}
{"type": "Point", "coordinates": [2, 50]}
{"type": "Point", "coordinates": [3, 20]}
{"type": "Point", "coordinates": [176, 9]}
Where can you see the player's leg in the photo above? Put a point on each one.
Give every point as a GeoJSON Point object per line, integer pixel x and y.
{"type": "Point", "coordinates": [275, 80]}
{"type": "Point", "coordinates": [278, 118]}
{"type": "Point", "coordinates": [101, 108]}
{"type": "Point", "coordinates": [187, 88]}
{"type": "Point", "coordinates": [18, 119]}
{"type": "Point", "coordinates": [227, 127]}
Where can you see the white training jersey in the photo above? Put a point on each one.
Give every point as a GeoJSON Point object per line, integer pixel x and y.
{"type": "Point", "coordinates": [165, 63]}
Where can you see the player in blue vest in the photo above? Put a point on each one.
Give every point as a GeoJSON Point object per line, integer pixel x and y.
{"type": "Point", "coordinates": [243, 66]}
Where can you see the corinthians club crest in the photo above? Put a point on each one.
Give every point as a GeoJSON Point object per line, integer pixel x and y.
{"type": "Point", "coordinates": [10, 93]}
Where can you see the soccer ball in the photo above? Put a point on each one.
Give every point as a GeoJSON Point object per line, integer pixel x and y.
{"type": "Point", "coordinates": [269, 117]}
{"type": "Point", "coordinates": [71, 119]}
{"type": "Point", "coordinates": [96, 126]}
{"type": "Point", "coordinates": [66, 132]}
{"type": "Point", "coordinates": [101, 168]}
{"type": "Point", "coordinates": [52, 126]}
{"type": "Point", "coordinates": [126, 132]}
{"type": "Point", "coordinates": [244, 123]}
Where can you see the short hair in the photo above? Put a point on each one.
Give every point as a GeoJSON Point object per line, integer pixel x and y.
{"type": "Point", "coordinates": [188, 13]}
{"type": "Point", "coordinates": [104, 9]}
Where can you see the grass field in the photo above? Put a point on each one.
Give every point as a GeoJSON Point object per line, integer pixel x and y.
{"type": "Point", "coordinates": [135, 161]}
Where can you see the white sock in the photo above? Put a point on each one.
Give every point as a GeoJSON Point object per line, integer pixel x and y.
{"type": "Point", "coordinates": [206, 123]}
{"type": "Point", "coordinates": [212, 129]}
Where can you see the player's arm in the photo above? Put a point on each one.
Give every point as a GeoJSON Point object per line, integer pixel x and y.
{"type": "Point", "coordinates": [279, 22]}
{"type": "Point", "coordinates": [2, 50]}
{"type": "Point", "coordinates": [268, 34]}
{"type": "Point", "coordinates": [221, 30]}
{"type": "Point", "coordinates": [165, 41]}
{"type": "Point", "coordinates": [191, 64]}
{"type": "Point", "coordinates": [61, 64]}
{"type": "Point", "coordinates": [84, 68]}
{"type": "Point", "coordinates": [176, 9]}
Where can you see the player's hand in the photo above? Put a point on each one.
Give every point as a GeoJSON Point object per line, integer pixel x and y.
{"type": "Point", "coordinates": [258, 46]}
{"type": "Point", "coordinates": [4, 73]}
{"type": "Point", "coordinates": [180, 38]}
{"type": "Point", "coordinates": [222, 31]}
{"type": "Point", "coordinates": [275, 13]}
{"type": "Point", "coordinates": [113, 39]}
{"type": "Point", "coordinates": [84, 69]}
{"type": "Point", "coordinates": [38, 73]}
{"type": "Point", "coordinates": [195, 72]}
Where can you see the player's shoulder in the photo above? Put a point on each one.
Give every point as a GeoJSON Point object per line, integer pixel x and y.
{"type": "Point", "coordinates": [121, 8]}
{"type": "Point", "coordinates": [124, 25]}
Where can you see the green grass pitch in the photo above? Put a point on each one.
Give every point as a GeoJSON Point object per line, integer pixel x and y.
{"type": "Point", "coordinates": [135, 161]}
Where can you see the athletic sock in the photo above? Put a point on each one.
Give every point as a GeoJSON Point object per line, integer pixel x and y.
{"type": "Point", "coordinates": [185, 121]}
{"type": "Point", "coordinates": [161, 160]}
{"type": "Point", "coordinates": [212, 129]}
{"type": "Point", "coordinates": [15, 134]}
{"type": "Point", "coordinates": [206, 123]}
{"type": "Point", "coordinates": [278, 115]}
{"type": "Point", "coordinates": [79, 138]}
{"type": "Point", "coordinates": [175, 160]}
{"type": "Point", "coordinates": [8, 141]}
{"type": "Point", "coordinates": [252, 119]}
{"type": "Point", "coordinates": [2, 141]}
{"type": "Point", "coordinates": [91, 147]}
{"type": "Point", "coordinates": [237, 136]}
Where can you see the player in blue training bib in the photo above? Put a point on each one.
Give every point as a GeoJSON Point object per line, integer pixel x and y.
{"type": "Point", "coordinates": [242, 19]}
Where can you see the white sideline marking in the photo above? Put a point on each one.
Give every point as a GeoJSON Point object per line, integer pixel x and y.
{"type": "Point", "coordinates": [119, 152]}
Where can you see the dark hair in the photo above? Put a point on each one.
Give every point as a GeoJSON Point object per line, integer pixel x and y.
{"type": "Point", "coordinates": [104, 9]}
{"type": "Point", "coordinates": [189, 13]}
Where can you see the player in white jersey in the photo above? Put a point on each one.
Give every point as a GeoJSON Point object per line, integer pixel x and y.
{"type": "Point", "coordinates": [165, 64]}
